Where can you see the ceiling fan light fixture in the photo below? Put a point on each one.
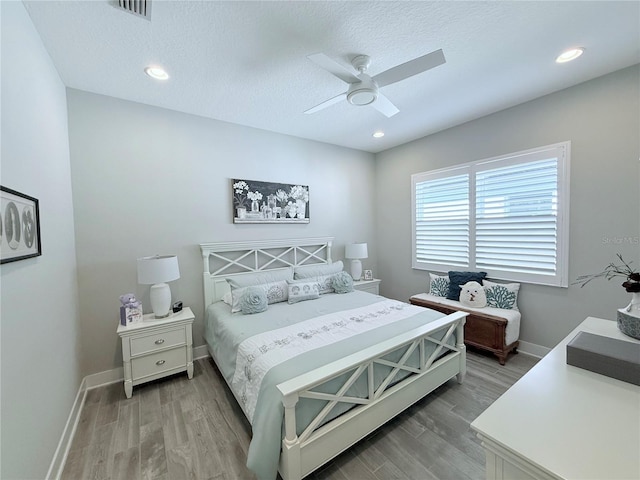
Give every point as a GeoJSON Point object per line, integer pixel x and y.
{"type": "Point", "coordinates": [362, 96]}
{"type": "Point", "coordinates": [570, 54]}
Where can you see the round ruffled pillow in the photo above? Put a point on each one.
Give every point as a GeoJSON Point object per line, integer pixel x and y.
{"type": "Point", "coordinates": [253, 300]}
{"type": "Point", "coordinates": [342, 282]}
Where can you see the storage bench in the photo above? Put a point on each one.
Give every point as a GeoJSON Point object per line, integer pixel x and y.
{"type": "Point", "coordinates": [493, 329]}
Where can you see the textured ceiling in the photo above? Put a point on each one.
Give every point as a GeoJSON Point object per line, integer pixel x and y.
{"type": "Point", "coordinates": [245, 62]}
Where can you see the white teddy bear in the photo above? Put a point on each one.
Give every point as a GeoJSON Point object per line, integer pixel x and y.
{"type": "Point", "coordinates": [472, 294]}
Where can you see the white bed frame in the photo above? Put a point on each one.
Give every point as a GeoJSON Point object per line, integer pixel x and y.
{"type": "Point", "coordinates": [320, 441]}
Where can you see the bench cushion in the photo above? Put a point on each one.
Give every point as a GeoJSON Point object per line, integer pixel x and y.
{"type": "Point", "coordinates": [511, 316]}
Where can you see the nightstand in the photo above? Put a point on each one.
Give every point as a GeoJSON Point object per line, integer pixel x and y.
{"type": "Point", "coordinates": [155, 348]}
{"type": "Point", "coordinates": [371, 286]}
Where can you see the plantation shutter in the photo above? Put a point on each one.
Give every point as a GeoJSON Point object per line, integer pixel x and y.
{"type": "Point", "coordinates": [516, 218]}
{"type": "Point", "coordinates": [442, 221]}
{"type": "Point", "coordinates": [507, 215]}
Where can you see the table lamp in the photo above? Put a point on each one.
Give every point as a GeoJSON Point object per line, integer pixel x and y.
{"type": "Point", "coordinates": [155, 271]}
{"type": "Point", "coordinates": [356, 251]}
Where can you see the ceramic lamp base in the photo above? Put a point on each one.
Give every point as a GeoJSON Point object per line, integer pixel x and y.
{"type": "Point", "coordinates": [356, 269]}
{"type": "Point", "coordinates": [160, 297]}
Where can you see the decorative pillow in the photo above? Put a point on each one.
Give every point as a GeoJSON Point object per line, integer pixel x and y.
{"type": "Point", "coordinates": [323, 274]}
{"type": "Point", "coordinates": [227, 298]}
{"type": "Point", "coordinates": [258, 278]}
{"type": "Point", "coordinates": [275, 292]}
{"type": "Point", "coordinates": [472, 295]}
{"type": "Point", "coordinates": [300, 291]}
{"type": "Point", "coordinates": [439, 285]}
{"type": "Point", "coordinates": [502, 295]}
{"type": "Point", "coordinates": [342, 282]}
{"type": "Point", "coordinates": [460, 278]}
{"type": "Point", "coordinates": [310, 271]}
{"type": "Point", "coordinates": [253, 300]}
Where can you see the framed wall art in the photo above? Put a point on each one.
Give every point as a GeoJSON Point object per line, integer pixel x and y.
{"type": "Point", "coordinates": [19, 226]}
{"type": "Point", "coordinates": [266, 202]}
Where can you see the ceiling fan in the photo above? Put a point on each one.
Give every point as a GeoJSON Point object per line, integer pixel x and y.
{"type": "Point", "coordinates": [363, 89]}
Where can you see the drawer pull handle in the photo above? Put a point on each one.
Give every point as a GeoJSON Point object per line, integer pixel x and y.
{"type": "Point", "coordinates": [160, 342]}
{"type": "Point", "coordinates": [160, 362]}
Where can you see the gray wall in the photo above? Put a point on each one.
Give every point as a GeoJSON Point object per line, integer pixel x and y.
{"type": "Point", "coordinates": [40, 329]}
{"type": "Point", "coordinates": [601, 119]}
{"type": "Point", "coordinates": [148, 180]}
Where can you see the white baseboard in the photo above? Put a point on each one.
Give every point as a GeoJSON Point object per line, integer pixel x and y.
{"type": "Point", "coordinates": [91, 381]}
{"type": "Point", "coordinates": [532, 349]}
{"type": "Point", "coordinates": [60, 455]}
{"type": "Point", "coordinates": [104, 378]}
{"type": "Point", "coordinates": [200, 352]}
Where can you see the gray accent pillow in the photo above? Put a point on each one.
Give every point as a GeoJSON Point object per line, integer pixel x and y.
{"type": "Point", "coordinates": [253, 300]}
{"type": "Point", "coordinates": [322, 274]}
{"type": "Point", "coordinates": [275, 292]}
{"type": "Point", "coordinates": [273, 282]}
{"type": "Point", "coordinates": [342, 282]}
{"type": "Point", "coordinates": [456, 279]}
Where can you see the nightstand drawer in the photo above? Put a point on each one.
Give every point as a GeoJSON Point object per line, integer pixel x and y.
{"type": "Point", "coordinates": [158, 363]}
{"type": "Point", "coordinates": [149, 343]}
{"type": "Point", "coordinates": [371, 286]}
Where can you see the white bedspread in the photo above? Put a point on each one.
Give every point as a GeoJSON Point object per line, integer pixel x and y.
{"type": "Point", "coordinates": [258, 354]}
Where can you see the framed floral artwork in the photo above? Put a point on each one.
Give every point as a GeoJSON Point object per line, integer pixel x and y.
{"type": "Point", "coordinates": [19, 226]}
{"type": "Point", "coordinates": [266, 202]}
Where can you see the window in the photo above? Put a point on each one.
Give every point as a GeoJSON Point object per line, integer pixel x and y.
{"type": "Point", "coordinates": [508, 216]}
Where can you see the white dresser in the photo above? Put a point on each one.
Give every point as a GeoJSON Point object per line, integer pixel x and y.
{"type": "Point", "coordinates": [561, 421]}
{"type": "Point", "coordinates": [155, 348]}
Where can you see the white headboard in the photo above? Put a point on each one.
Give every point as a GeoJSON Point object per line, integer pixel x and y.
{"type": "Point", "coordinates": [223, 260]}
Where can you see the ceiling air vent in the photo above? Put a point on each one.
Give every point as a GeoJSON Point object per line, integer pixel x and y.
{"type": "Point", "coordinates": [140, 8]}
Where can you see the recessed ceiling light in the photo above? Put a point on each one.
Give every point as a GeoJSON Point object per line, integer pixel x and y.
{"type": "Point", "coordinates": [569, 55]}
{"type": "Point", "coordinates": [378, 134]}
{"type": "Point", "coordinates": [156, 72]}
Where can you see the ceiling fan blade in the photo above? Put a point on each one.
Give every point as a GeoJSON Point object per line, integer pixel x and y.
{"type": "Point", "coordinates": [410, 68]}
{"type": "Point", "coordinates": [327, 103]}
{"type": "Point", "coordinates": [384, 106]}
{"type": "Point", "coordinates": [333, 67]}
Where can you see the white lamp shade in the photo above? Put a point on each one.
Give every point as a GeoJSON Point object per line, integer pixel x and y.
{"type": "Point", "coordinates": [155, 271]}
{"type": "Point", "coordinates": [356, 250]}
{"type": "Point", "coordinates": [158, 269]}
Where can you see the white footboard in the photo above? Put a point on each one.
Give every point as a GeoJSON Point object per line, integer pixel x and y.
{"type": "Point", "coordinates": [321, 441]}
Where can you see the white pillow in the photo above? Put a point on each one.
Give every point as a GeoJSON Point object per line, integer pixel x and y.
{"type": "Point", "coordinates": [501, 295]}
{"type": "Point", "coordinates": [310, 271]}
{"type": "Point", "coordinates": [226, 298]}
{"type": "Point", "coordinates": [439, 285]}
{"type": "Point", "coordinates": [473, 295]}
{"type": "Point", "coordinates": [258, 278]}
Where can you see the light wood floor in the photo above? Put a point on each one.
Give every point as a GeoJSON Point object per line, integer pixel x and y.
{"type": "Point", "coordinates": [179, 429]}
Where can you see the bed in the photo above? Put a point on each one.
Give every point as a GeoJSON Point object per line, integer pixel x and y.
{"type": "Point", "coordinates": [314, 377]}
